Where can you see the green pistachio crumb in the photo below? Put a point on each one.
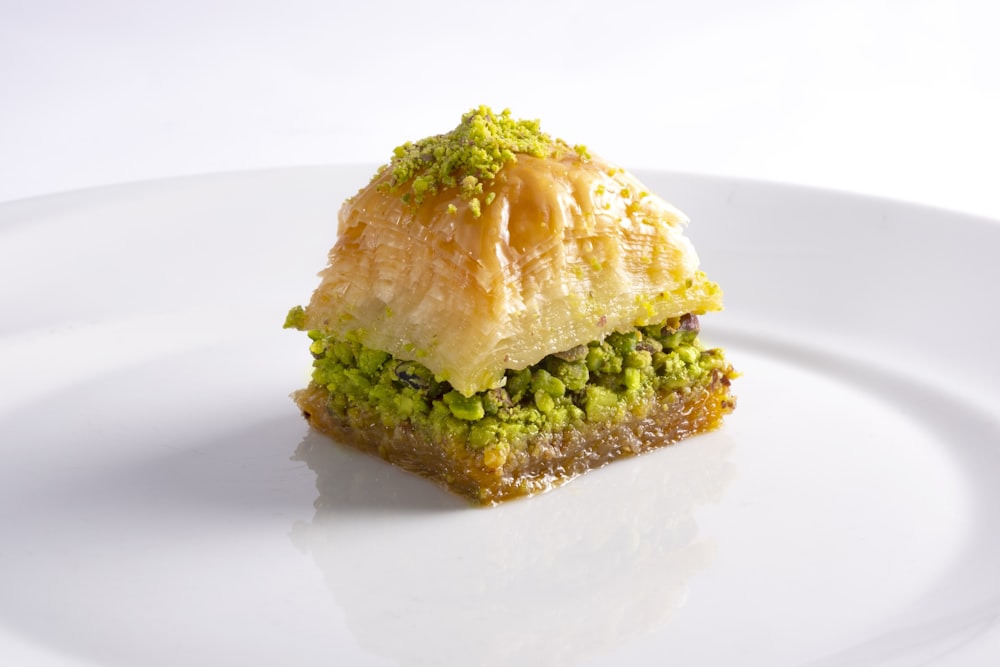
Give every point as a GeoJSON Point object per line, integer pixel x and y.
{"type": "Point", "coordinates": [467, 157]}
{"type": "Point", "coordinates": [468, 408]}
{"type": "Point", "coordinates": [296, 318]}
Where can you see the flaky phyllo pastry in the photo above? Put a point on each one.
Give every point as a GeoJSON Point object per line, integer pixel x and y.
{"type": "Point", "coordinates": [503, 311]}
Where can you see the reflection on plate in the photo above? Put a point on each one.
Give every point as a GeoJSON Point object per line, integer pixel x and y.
{"type": "Point", "coordinates": [554, 588]}
{"type": "Point", "coordinates": [161, 502]}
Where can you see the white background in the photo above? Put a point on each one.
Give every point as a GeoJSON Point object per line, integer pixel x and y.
{"type": "Point", "coordinates": [894, 98]}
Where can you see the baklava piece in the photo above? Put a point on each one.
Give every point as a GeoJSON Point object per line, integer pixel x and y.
{"type": "Point", "coordinates": [502, 312]}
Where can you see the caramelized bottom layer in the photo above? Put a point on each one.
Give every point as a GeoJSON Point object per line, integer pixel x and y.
{"type": "Point", "coordinates": [544, 460]}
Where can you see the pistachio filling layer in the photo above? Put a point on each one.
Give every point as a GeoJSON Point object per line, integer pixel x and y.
{"type": "Point", "coordinates": [602, 381]}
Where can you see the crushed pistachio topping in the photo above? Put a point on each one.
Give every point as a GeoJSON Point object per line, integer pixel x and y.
{"type": "Point", "coordinates": [604, 380]}
{"type": "Point", "coordinates": [296, 318]}
{"type": "Point", "coordinates": [467, 158]}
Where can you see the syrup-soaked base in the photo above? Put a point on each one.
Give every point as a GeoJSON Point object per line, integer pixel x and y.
{"type": "Point", "coordinates": [546, 460]}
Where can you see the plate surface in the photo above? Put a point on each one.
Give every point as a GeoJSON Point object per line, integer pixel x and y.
{"type": "Point", "coordinates": [162, 502]}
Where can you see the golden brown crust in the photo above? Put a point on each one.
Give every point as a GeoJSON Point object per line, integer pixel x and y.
{"type": "Point", "coordinates": [569, 251]}
{"type": "Point", "coordinates": [547, 460]}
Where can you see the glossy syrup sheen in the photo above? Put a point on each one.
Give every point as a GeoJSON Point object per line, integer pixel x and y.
{"type": "Point", "coordinates": [568, 250]}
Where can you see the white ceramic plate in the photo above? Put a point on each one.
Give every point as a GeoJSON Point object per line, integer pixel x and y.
{"type": "Point", "coordinates": [162, 502]}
